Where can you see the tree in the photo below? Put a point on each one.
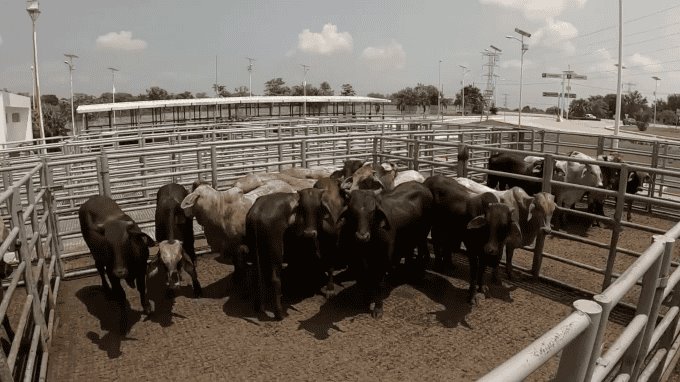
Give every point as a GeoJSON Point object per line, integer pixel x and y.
{"type": "Point", "coordinates": [347, 90]}
{"type": "Point", "coordinates": [578, 108]}
{"type": "Point", "coordinates": [184, 95]}
{"type": "Point", "coordinates": [673, 102]}
{"type": "Point", "coordinates": [553, 110]}
{"type": "Point", "coordinates": [633, 104]}
{"type": "Point", "coordinates": [125, 97]}
{"type": "Point", "coordinates": [610, 99]}
{"type": "Point", "coordinates": [598, 106]}
{"type": "Point", "coordinates": [311, 90]}
{"type": "Point", "coordinates": [49, 99]}
{"type": "Point", "coordinates": [325, 89]}
{"type": "Point", "coordinates": [221, 90]}
{"type": "Point", "coordinates": [276, 87]}
{"type": "Point", "coordinates": [157, 93]}
{"type": "Point", "coordinates": [201, 95]}
{"type": "Point", "coordinates": [667, 117]}
{"type": "Point", "coordinates": [377, 95]}
{"type": "Point", "coordinates": [404, 98]}
{"type": "Point", "coordinates": [473, 99]}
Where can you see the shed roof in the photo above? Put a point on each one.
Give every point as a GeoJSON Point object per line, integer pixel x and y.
{"type": "Point", "coordinates": [82, 109]}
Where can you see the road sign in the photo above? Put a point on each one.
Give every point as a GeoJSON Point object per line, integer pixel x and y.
{"type": "Point", "coordinates": [551, 75]}
{"type": "Point", "coordinates": [556, 94]}
{"type": "Point", "coordinates": [578, 77]}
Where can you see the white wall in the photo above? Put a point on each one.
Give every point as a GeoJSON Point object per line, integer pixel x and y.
{"type": "Point", "coordinates": [15, 118]}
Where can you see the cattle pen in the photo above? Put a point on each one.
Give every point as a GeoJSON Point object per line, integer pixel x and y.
{"type": "Point", "coordinates": [625, 293]}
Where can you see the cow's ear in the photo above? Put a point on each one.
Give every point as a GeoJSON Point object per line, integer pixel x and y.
{"type": "Point", "coordinates": [152, 267]}
{"type": "Point", "coordinates": [381, 219]}
{"type": "Point", "coordinates": [186, 263]}
{"type": "Point", "coordinates": [631, 175]}
{"type": "Point", "coordinates": [146, 239]}
{"type": "Point", "coordinates": [530, 210]}
{"type": "Point", "coordinates": [477, 222]}
{"type": "Point", "coordinates": [295, 207]}
{"type": "Point", "coordinates": [342, 218]}
{"type": "Point", "coordinates": [515, 236]}
{"type": "Point", "coordinates": [189, 201]}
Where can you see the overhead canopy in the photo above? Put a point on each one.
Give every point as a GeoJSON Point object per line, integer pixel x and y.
{"type": "Point", "coordinates": [102, 107]}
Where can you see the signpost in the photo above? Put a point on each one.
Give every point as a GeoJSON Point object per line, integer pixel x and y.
{"type": "Point", "coordinates": [556, 94]}
{"type": "Point", "coordinates": [565, 75]}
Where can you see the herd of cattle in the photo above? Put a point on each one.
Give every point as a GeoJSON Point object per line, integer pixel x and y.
{"type": "Point", "coordinates": [365, 219]}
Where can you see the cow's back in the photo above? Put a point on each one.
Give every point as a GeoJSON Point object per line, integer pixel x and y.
{"type": "Point", "coordinates": [96, 211]}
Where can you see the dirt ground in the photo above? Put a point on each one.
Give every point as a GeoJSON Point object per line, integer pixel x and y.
{"type": "Point", "coordinates": [428, 332]}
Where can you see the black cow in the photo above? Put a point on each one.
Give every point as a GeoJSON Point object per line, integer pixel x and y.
{"type": "Point", "coordinates": [516, 164]}
{"type": "Point", "coordinates": [175, 233]}
{"type": "Point", "coordinates": [119, 247]}
{"type": "Point", "coordinates": [636, 179]}
{"type": "Point", "coordinates": [454, 208]}
{"type": "Point", "coordinates": [348, 169]}
{"type": "Point", "coordinates": [378, 231]}
{"type": "Point", "coordinates": [313, 235]}
{"type": "Point", "coordinates": [266, 224]}
{"type": "Point", "coordinates": [478, 221]}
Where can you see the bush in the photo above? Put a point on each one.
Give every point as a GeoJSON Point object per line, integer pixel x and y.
{"type": "Point", "coordinates": [642, 125]}
{"type": "Point", "coordinates": [493, 110]}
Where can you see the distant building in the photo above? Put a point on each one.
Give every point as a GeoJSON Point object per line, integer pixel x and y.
{"type": "Point", "coordinates": [15, 119]}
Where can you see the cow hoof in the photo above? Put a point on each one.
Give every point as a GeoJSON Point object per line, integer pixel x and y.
{"type": "Point", "coordinates": [279, 316]}
{"type": "Point", "coordinates": [148, 309]}
{"type": "Point", "coordinates": [476, 299]}
{"type": "Point", "coordinates": [377, 313]}
{"type": "Point", "coordinates": [484, 289]}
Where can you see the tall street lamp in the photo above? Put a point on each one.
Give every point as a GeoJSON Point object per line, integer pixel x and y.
{"type": "Point", "coordinates": [250, 75]}
{"type": "Point", "coordinates": [113, 93]}
{"type": "Point", "coordinates": [439, 96]}
{"type": "Point", "coordinates": [617, 115]}
{"type": "Point", "coordinates": [305, 69]}
{"type": "Point", "coordinates": [462, 82]}
{"type": "Point", "coordinates": [33, 9]}
{"type": "Point", "coordinates": [656, 86]}
{"type": "Point", "coordinates": [71, 68]}
{"type": "Point", "coordinates": [525, 47]}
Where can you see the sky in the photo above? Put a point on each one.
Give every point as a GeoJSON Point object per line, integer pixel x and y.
{"type": "Point", "coordinates": [376, 46]}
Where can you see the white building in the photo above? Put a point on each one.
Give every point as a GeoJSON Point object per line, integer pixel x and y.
{"type": "Point", "coordinates": [15, 119]}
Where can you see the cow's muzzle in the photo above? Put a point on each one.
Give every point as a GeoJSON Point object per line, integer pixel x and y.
{"type": "Point", "coordinates": [364, 237]}
{"type": "Point", "coordinates": [309, 233]}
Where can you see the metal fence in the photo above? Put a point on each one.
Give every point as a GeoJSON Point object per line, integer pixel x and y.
{"type": "Point", "coordinates": [33, 231]}
{"type": "Point", "coordinates": [130, 165]}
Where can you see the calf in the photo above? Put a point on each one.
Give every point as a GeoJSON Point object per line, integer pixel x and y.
{"type": "Point", "coordinates": [119, 248]}
{"type": "Point", "coordinates": [175, 232]}
{"type": "Point", "coordinates": [348, 168]}
{"type": "Point", "coordinates": [610, 181]}
{"type": "Point", "coordinates": [636, 179]}
{"type": "Point", "coordinates": [266, 225]}
{"type": "Point", "coordinates": [581, 174]}
{"type": "Point", "coordinates": [378, 231]}
{"type": "Point", "coordinates": [531, 213]}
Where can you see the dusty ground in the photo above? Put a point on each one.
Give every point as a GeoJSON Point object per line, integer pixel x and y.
{"type": "Point", "coordinates": [428, 332]}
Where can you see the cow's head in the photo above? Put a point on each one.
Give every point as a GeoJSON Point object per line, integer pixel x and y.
{"type": "Point", "coordinates": [592, 175]}
{"type": "Point", "coordinates": [127, 244]}
{"type": "Point", "coordinates": [364, 214]}
{"type": "Point", "coordinates": [173, 259]}
{"type": "Point", "coordinates": [202, 191]}
{"type": "Point", "coordinates": [636, 181]}
{"type": "Point", "coordinates": [541, 208]}
{"type": "Point", "coordinates": [311, 212]}
{"type": "Point", "coordinates": [498, 223]}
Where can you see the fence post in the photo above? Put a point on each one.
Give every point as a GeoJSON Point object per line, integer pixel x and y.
{"type": "Point", "coordinates": [661, 282]}
{"type": "Point", "coordinates": [616, 229]}
{"type": "Point", "coordinates": [574, 360]}
{"type": "Point", "coordinates": [546, 186]}
{"type": "Point", "coordinates": [280, 145]}
{"type": "Point", "coordinates": [199, 162]}
{"type": "Point", "coordinates": [213, 166]}
{"type": "Point", "coordinates": [416, 154]}
{"type": "Point", "coordinates": [542, 134]}
{"type": "Point", "coordinates": [303, 153]}
{"type": "Point", "coordinates": [600, 145]}
{"type": "Point", "coordinates": [105, 176]}
{"type": "Point", "coordinates": [655, 164]}
{"type": "Point", "coordinates": [375, 151]}
{"type": "Point", "coordinates": [17, 214]}
{"type": "Point", "coordinates": [645, 305]}
{"type": "Point", "coordinates": [663, 166]}
{"type": "Point", "coordinates": [142, 162]}
{"type": "Point", "coordinates": [463, 156]}
{"type": "Point", "coordinates": [606, 303]}
{"type": "Point", "coordinates": [668, 338]}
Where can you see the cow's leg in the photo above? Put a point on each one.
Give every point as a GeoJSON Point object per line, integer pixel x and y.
{"type": "Point", "coordinates": [380, 290]}
{"type": "Point", "coordinates": [628, 213]}
{"type": "Point", "coordinates": [102, 274]}
{"type": "Point", "coordinates": [473, 277]}
{"type": "Point", "coordinates": [423, 255]}
{"type": "Point", "coordinates": [329, 255]}
{"type": "Point", "coordinates": [147, 307]}
{"type": "Point", "coordinates": [509, 252]}
{"type": "Point", "coordinates": [119, 295]}
{"type": "Point", "coordinates": [276, 285]}
{"type": "Point", "coordinates": [480, 277]}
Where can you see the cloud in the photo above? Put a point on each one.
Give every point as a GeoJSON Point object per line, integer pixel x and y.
{"type": "Point", "coordinates": [327, 42]}
{"type": "Point", "coordinates": [605, 62]}
{"type": "Point", "coordinates": [120, 41]}
{"type": "Point", "coordinates": [0, 39]}
{"type": "Point", "coordinates": [644, 63]}
{"type": "Point", "coordinates": [556, 35]}
{"type": "Point", "coordinates": [391, 55]}
{"type": "Point", "coordinates": [537, 9]}
{"type": "Point", "coordinates": [515, 64]}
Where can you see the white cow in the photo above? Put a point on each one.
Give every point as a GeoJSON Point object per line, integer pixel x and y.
{"type": "Point", "coordinates": [581, 174]}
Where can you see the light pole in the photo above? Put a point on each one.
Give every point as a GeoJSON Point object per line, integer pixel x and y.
{"type": "Point", "coordinates": [33, 9]}
{"type": "Point", "coordinates": [617, 116]}
{"type": "Point", "coordinates": [71, 68]}
{"type": "Point", "coordinates": [439, 96]}
{"type": "Point", "coordinates": [250, 75]}
{"type": "Point", "coordinates": [521, 67]}
{"type": "Point", "coordinates": [656, 86]}
{"type": "Point", "coordinates": [462, 82]}
{"type": "Point", "coordinates": [113, 93]}
{"type": "Point", "coordinates": [305, 68]}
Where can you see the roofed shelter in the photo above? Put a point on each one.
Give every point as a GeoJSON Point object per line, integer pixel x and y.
{"type": "Point", "coordinates": [179, 111]}
{"type": "Point", "coordinates": [15, 119]}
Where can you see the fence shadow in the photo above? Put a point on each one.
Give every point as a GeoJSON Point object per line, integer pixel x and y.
{"type": "Point", "coordinates": [108, 313]}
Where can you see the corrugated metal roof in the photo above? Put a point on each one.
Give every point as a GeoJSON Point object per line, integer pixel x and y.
{"type": "Point", "coordinates": [223, 101]}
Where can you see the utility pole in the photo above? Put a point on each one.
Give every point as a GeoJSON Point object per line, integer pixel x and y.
{"type": "Point", "coordinates": [113, 94]}
{"type": "Point", "coordinates": [462, 83]}
{"type": "Point", "coordinates": [656, 86]}
{"type": "Point", "coordinates": [250, 75]}
{"type": "Point", "coordinates": [215, 87]}
{"type": "Point", "coordinates": [617, 116]}
{"type": "Point", "coordinates": [305, 69]}
{"type": "Point", "coordinates": [439, 98]}
{"type": "Point", "coordinates": [525, 47]}
{"type": "Point", "coordinates": [71, 68]}
{"type": "Point", "coordinates": [493, 57]}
